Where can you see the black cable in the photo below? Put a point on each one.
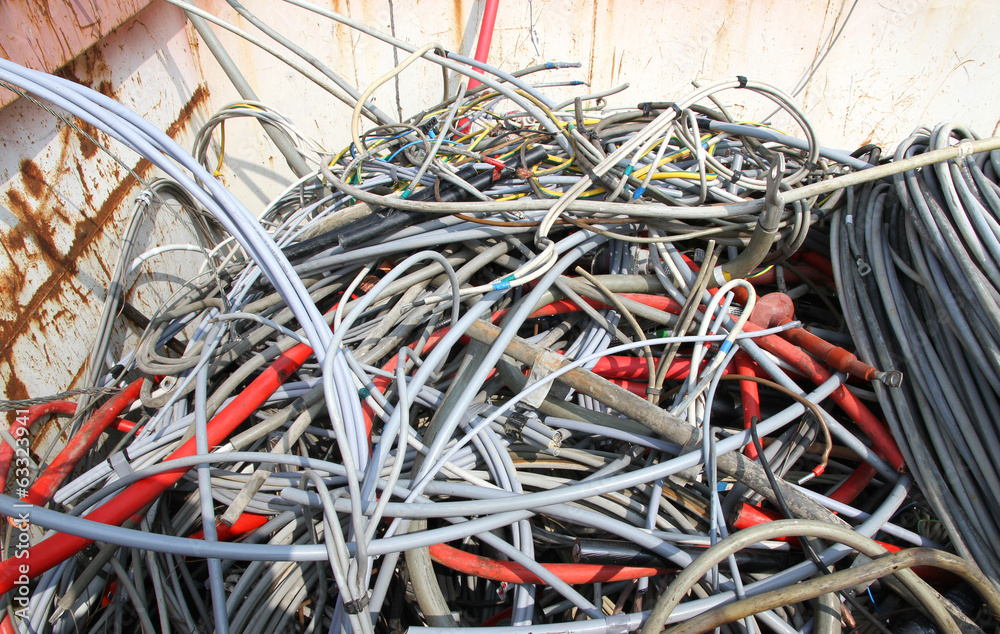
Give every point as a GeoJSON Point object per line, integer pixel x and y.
{"type": "Point", "coordinates": [805, 542]}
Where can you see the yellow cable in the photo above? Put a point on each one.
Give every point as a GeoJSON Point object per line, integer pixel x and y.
{"type": "Point", "coordinates": [356, 116]}
{"type": "Point", "coordinates": [222, 148]}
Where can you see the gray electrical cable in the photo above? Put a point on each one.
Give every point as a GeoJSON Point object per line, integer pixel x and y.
{"type": "Point", "coordinates": [278, 137]}
{"type": "Point", "coordinates": [507, 442]}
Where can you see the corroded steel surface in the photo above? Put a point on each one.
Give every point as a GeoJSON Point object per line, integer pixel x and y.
{"type": "Point", "coordinates": [65, 203]}
{"type": "Point", "coordinates": [50, 33]}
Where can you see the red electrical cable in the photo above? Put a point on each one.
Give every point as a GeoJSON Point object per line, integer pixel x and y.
{"type": "Point", "coordinates": [244, 524]}
{"type": "Point", "coordinates": [855, 483]}
{"type": "Point", "coordinates": [497, 570]}
{"type": "Point", "coordinates": [884, 444]}
{"type": "Point", "coordinates": [820, 262]}
{"type": "Point", "coordinates": [482, 49]}
{"type": "Point", "coordinates": [124, 426]}
{"type": "Point", "coordinates": [56, 549]}
{"type": "Point", "coordinates": [639, 388]}
{"type": "Point", "coordinates": [498, 618]}
{"type": "Point", "coordinates": [834, 356]}
{"type": "Point", "coordinates": [636, 387]}
{"type": "Point", "coordinates": [59, 408]}
{"type": "Point", "coordinates": [485, 35]}
{"type": "Point", "coordinates": [77, 446]}
{"type": "Point", "coordinates": [557, 307]}
{"type": "Point", "coordinates": [749, 395]}
{"type": "Point", "coordinates": [636, 368]}
{"type": "Point", "coordinates": [811, 273]}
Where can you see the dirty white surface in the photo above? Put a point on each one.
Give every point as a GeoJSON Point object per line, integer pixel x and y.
{"type": "Point", "coordinates": [64, 205]}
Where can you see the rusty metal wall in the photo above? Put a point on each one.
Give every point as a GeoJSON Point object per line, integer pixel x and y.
{"type": "Point", "coordinates": [45, 35]}
{"type": "Point", "coordinates": [64, 203]}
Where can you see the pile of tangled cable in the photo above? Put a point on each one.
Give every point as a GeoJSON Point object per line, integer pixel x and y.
{"type": "Point", "coordinates": [512, 364]}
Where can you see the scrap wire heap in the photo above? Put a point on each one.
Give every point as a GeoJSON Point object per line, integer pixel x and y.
{"type": "Point", "coordinates": [516, 363]}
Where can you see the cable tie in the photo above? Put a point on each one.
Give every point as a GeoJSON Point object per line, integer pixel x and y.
{"type": "Point", "coordinates": [653, 391]}
{"type": "Point", "coordinates": [736, 177]}
{"type": "Point", "coordinates": [677, 109]}
{"type": "Point", "coordinates": [647, 107]}
{"type": "Point", "coordinates": [144, 198]}
{"type": "Point", "coordinates": [513, 426]}
{"type": "Point", "coordinates": [742, 80]}
{"type": "Point", "coordinates": [120, 465]}
{"type": "Point", "coordinates": [355, 607]}
{"type": "Point", "coordinates": [618, 624]}
{"type": "Point", "coordinates": [721, 277]}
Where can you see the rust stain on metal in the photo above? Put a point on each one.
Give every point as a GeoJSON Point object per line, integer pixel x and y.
{"type": "Point", "coordinates": [31, 222]}
{"type": "Point", "coordinates": [31, 175]}
{"type": "Point", "coordinates": [87, 136]}
{"type": "Point", "coordinates": [458, 16]}
{"type": "Point", "coordinates": [86, 67]}
{"type": "Point", "coordinates": [15, 391]}
{"type": "Point", "coordinates": [198, 97]}
{"type": "Point", "coordinates": [48, 34]}
{"type": "Point", "coordinates": [11, 279]}
{"type": "Point", "coordinates": [85, 231]}
{"type": "Point", "coordinates": [106, 89]}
